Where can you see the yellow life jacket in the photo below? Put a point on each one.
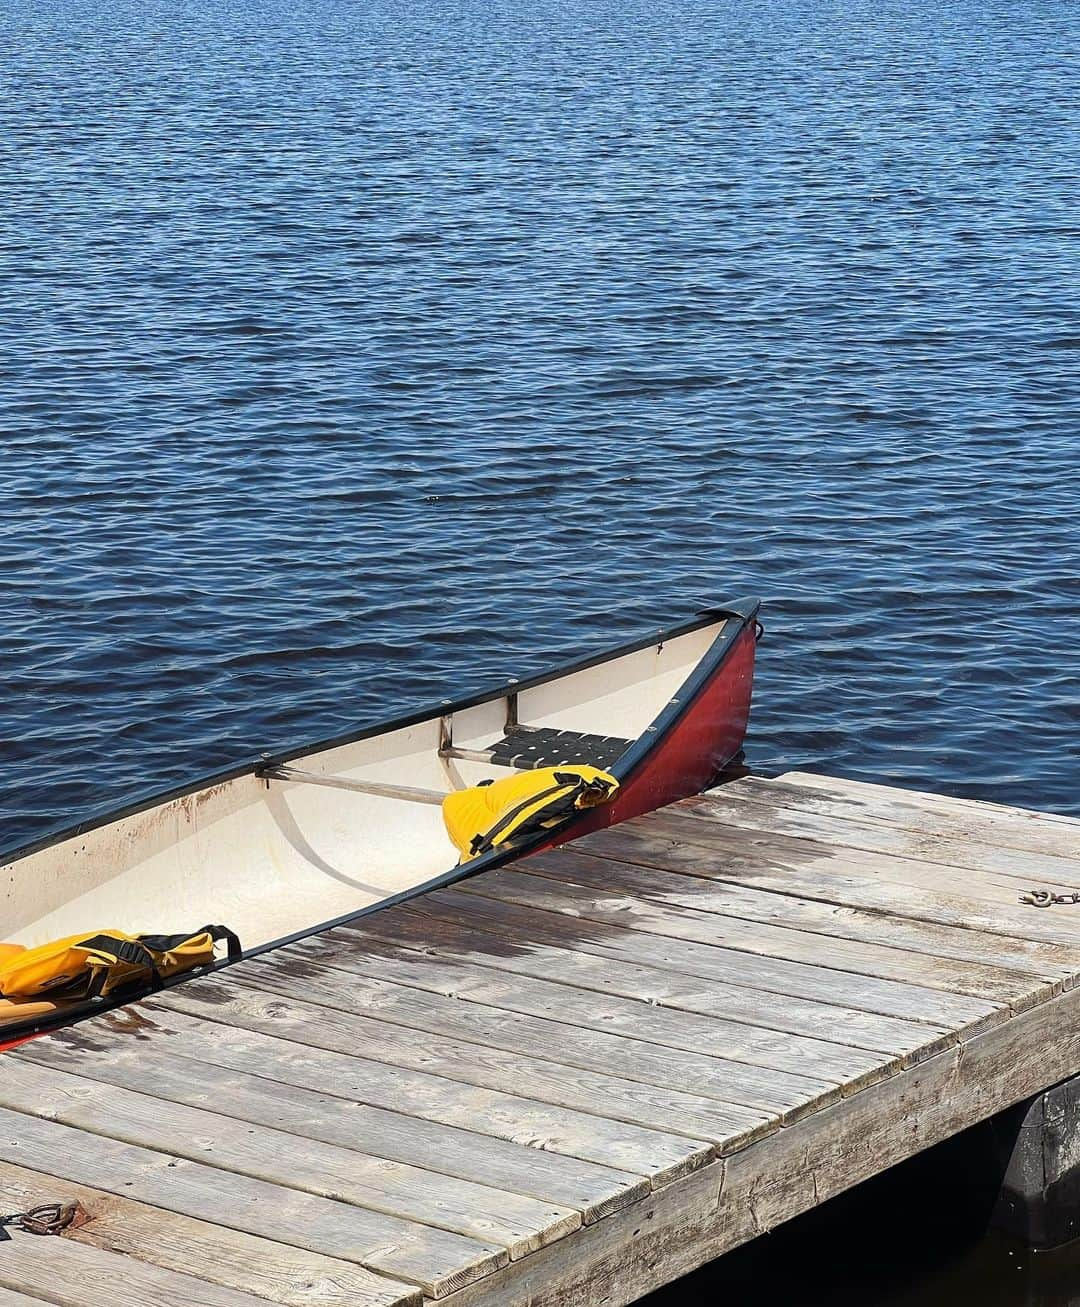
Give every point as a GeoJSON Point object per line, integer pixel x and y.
{"type": "Point", "coordinates": [8, 951]}
{"type": "Point", "coordinates": [96, 964]}
{"type": "Point", "coordinates": [494, 812]}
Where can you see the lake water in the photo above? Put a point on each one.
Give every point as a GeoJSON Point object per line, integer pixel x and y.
{"type": "Point", "coordinates": [358, 353]}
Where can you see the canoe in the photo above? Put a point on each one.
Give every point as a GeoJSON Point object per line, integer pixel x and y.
{"type": "Point", "coordinates": [289, 844]}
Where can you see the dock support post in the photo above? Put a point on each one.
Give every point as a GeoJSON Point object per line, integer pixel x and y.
{"type": "Point", "coordinates": [1039, 1149]}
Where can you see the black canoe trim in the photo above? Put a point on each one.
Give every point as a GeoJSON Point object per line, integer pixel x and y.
{"type": "Point", "coordinates": [745, 610]}
{"type": "Point", "coordinates": [634, 758]}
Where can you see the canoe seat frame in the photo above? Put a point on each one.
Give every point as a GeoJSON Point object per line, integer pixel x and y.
{"type": "Point", "coordinates": [448, 749]}
{"type": "Point", "coordinates": [512, 751]}
{"type": "Point", "coordinates": [525, 747]}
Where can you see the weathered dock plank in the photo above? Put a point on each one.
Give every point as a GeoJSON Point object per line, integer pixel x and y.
{"type": "Point", "coordinates": [726, 969]}
{"type": "Point", "coordinates": [477, 931]}
{"type": "Point", "coordinates": [969, 853]}
{"type": "Point", "coordinates": [9, 1298]}
{"type": "Point", "coordinates": [592, 1190]}
{"type": "Point", "coordinates": [919, 891]}
{"type": "Point", "coordinates": [667, 1108]}
{"type": "Point", "coordinates": [287, 1275]}
{"type": "Point", "coordinates": [588, 1008]}
{"type": "Point", "coordinates": [435, 1260]}
{"type": "Point", "coordinates": [964, 942]}
{"type": "Point", "coordinates": [665, 1236]}
{"type": "Point", "coordinates": [920, 810]}
{"type": "Point", "coordinates": [534, 1124]}
{"type": "Point", "coordinates": [806, 856]}
{"type": "Point", "coordinates": [779, 1092]}
{"type": "Point", "coordinates": [945, 992]}
{"type": "Point", "coordinates": [68, 1273]}
{"type": "Point", "coordinates": [497, 1218]}
{"type": "Point", "coordinates": [564, 1082]}
{"type": "Point", "coordinates": [809, 900]}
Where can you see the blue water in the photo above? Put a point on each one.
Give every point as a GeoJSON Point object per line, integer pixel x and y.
{"type": "Point", "coordinates": [354, 354]}
{"type": "Point", "coordinates": [358, 353]}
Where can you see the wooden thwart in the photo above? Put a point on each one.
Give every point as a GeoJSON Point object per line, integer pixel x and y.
{"type": "Point", "coordinates": [575, 1078]}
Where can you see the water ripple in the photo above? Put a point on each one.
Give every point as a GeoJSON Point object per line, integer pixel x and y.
{"type": "Point", "coordinates": [357, 355]}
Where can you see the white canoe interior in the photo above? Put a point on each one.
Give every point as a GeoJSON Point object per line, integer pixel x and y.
{"type": "Point", "coordinates": [270, 857]}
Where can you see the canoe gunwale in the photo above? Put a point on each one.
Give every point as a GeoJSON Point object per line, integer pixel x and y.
{"type": "Point", "coordinates": [743, 609]}
{"type": "Point", "coordinates": [635, 758]}
{"type": "Point", "coordinates": [632, 761]}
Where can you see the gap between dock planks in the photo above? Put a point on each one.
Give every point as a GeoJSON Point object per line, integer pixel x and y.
{"type": "Point", "coordinates": [580, 1076]}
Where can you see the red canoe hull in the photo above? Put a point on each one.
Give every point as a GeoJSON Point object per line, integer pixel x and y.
{"type": "Point", "coordinates": [689, 756]}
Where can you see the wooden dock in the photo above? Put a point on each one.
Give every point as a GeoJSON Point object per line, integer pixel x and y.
{"type": "Point", "coordinates": [567, 1082]}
